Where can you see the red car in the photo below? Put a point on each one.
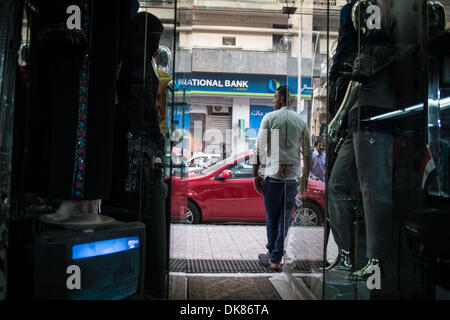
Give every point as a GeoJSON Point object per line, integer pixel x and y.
{"type": "Point", "coordinates": [225, 192]}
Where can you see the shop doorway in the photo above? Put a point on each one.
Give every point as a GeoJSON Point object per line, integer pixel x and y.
{"type": "Point", "coordinates": [231, 61]}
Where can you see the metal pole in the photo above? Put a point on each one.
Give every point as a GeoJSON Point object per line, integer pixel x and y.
{"type": "Point", "coordinates": [300, 107]}
{"type": "Point", "coordinates": [326, 226]}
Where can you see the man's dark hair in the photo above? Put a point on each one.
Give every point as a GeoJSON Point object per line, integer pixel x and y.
{"type": "Point", "coordinates": [316, 143]}
{"type": "Point", "coordinates": [284, 91]}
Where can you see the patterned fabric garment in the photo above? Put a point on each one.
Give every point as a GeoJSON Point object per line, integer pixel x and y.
{"type": "Point", "coordinates": [139, 139]}
{"type": "Point", "coordinates": [73, 84]}
{"type": "Point", "coordinates": [141, 152]}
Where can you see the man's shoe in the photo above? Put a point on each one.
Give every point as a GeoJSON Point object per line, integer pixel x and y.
{"type": "Point", "coordinates": [264, 259]}
{"type": "Point", "coordinates": [274, 266]}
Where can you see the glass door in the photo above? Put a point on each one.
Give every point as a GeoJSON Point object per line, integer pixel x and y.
{"type": "Point", "coordinates": [307, 61]}
{"type": "Point", "coordinates": [10, 13]}
{"type": "Point", "coordinates": [385, 136]}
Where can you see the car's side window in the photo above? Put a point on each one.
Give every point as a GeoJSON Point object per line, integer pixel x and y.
{"type": "Point", "coordinates": [242, 169]}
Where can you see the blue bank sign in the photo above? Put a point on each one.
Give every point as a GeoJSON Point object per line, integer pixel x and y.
{"type": "Point", "coordinates": [239, 84]}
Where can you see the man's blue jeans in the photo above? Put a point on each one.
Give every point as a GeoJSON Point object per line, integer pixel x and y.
{"type": "Point", "coordinates": [279, 197]}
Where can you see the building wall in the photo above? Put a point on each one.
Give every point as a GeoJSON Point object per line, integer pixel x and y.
{"type": "Point", "coordinates": [238, 61]}
{"type": "Point", "coordinates": [244, 41]}
{"type": "Point", "coordinates": [241, 110]}
{"type": "Point", "coordinates": [185, 39]}
{"type": "Point", "coordinates": [318, 111]}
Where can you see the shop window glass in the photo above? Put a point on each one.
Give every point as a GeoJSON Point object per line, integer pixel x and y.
{"type": "Point", "coordinates": [386, 150]}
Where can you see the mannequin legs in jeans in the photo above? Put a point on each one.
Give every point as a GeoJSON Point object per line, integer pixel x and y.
{"type": "Point", "coordinates": [279, 197]}
{"type": "Point", "coordinates": [374, 160]}
{"type": "Point", "coordinates": [364, 163]}
{"type": "Point", "coordinates": [343, 191]}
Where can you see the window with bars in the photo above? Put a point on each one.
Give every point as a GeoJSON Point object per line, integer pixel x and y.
{"type": "Point", "coordinates": [229, 41]}
{"type": "Point", "coordinates": [324, 2]}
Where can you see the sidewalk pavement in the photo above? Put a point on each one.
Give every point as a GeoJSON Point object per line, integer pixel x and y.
{"type": "Point", "coordinates": [229, 242]}
{"type": "Point", "coordinates": [245, 242]}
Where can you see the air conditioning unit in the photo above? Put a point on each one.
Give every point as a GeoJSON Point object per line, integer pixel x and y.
{"type": "Point", "coordinates": [220, 110]}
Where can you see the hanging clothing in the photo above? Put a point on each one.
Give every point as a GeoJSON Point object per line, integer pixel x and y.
{"type": "Point", "coordinates": [138, 136]}
{"type": "Point", "coordinates": [73, 88]}
{"type": "Point", "coordinates": [164, 80]}
{"type": "Point", "coordinates": [343, 59]}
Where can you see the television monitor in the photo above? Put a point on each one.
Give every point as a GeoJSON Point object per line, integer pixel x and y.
{"type": "Point", "coordinates": [103, 264]}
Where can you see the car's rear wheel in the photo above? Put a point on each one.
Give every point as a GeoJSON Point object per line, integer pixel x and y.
{"type": "Point", "coordinates": [307, 214]}
{"type": "Point", "coordinates": [193, 213]}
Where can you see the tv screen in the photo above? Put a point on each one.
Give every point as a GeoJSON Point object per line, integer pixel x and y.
{"type": "Point", "coordinates": [105, 264]}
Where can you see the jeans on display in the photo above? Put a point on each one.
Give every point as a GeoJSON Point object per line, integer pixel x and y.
{"type": "Point", "coordinates": [279, 197]}
{"type": "Point", "coordinates": [364, 164]}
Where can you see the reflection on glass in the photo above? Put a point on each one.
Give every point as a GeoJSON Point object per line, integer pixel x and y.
{"type": "Point", "coordinates": [386, 150]}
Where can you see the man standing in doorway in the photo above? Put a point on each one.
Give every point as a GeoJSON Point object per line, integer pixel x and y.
{"type": "Point", "coordinates": [282, 137]}
{"type": "Point", "coordinates": [318, 162]}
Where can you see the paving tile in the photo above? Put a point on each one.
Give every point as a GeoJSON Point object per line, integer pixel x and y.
{"type": "Point", "coordinates": [243, 242]}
